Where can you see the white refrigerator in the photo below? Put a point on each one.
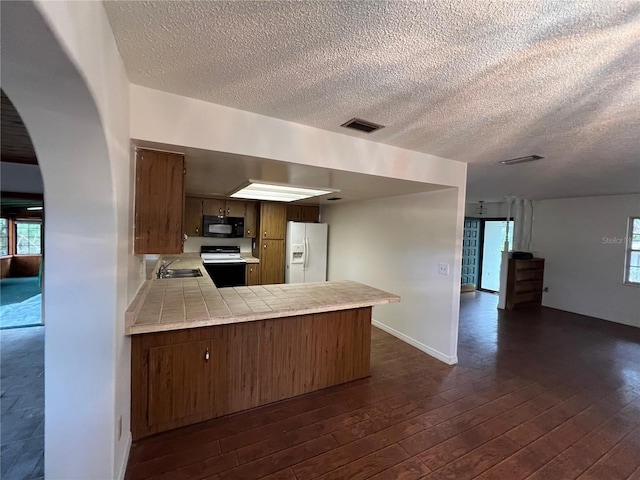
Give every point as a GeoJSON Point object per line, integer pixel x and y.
{"type": "Point", "coordinates": [306, 252]}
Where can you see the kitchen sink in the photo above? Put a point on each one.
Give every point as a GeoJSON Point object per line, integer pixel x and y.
{"type": "Point", "coordinates": [181, 273]}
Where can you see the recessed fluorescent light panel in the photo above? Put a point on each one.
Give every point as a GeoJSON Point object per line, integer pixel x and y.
{"type": "Point", "coordinates": [513, 161]}
{"type": "Point", "coordinates": [277, 192]}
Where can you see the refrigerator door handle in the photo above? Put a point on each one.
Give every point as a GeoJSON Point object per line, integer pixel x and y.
{"type": "Point", "coordinates": [306, 253]}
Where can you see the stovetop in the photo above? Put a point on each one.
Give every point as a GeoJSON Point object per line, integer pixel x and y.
{"type": "Point", "coordinates": [221, 254]}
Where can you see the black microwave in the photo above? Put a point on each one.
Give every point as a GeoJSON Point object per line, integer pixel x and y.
{"type": "Point", "coordinates": [222, 227]}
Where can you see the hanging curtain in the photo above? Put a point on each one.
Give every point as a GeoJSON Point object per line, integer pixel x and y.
{"type": "Point", "coordinates": [522, 224]}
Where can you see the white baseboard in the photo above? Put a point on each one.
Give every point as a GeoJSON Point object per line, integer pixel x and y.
{"type": "Point", "coordinates": [449, 360]}
{"type": "Point", "coordinates": [125, 460]}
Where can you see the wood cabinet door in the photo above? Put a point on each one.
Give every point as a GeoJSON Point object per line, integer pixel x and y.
{"type": "Point", "coordinates": [310, 213]}
{"type": "Point", "coordinates": [159, 206]}
{"type": "Point", "coordinates": [250, 218]}
{"type": "Point", "coordinates": [193, 216]}
{"type": "Point", "coordinates": [214, 206]}
{"type": "Point", "coordinates": [180, 381]}
{"type": "Point", "coordinates": [272, 261]}
{"type": "Point", "coordinates": [235, 369]}
{"type": "Point", "coordinates": [294, 213]}
{"type": "Point", "coordinates": [235, 208]}
{"type": "Point", "coordinates": [273, 220]}
{"type": "Point", "coordinates": [253, 274]}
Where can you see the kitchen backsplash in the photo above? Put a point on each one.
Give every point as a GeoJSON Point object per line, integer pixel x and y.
{"type": "Point", "coordinates": [193, 244]}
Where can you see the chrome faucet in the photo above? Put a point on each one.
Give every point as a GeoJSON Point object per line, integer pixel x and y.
{"type": "Point", "coordinates": [164, 266]}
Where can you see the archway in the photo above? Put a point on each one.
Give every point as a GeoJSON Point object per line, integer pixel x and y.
{"type": "Point", "coordinates": [80, 239]}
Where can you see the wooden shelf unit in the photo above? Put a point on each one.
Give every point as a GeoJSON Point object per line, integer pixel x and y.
{"type": "Point", "coordinates": [525, 283]}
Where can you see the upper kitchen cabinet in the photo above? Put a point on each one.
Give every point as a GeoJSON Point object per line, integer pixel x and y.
{"type": "Point", "coordinates": [303, 213]}
{"type": "Point", "coordinates": [193, 216]}
{"type": "Point", "coordinates": [273, 220]}
{"type": "Point", "coordinates": [159, 202]}
{"type": "Point", "coordinates": [234, 208]}
{"type": "Point", "coordinates": [250, 219]}
{"type": "Point", "coordinates": [223, 208]}
{"type": "Point", "coordinates": [214, 206]}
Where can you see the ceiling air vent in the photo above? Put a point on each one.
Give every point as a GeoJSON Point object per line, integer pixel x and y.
{"type": "Point", "coordinates": [362, 125]}
{"type": "Point", "coordinates": [513, 161]}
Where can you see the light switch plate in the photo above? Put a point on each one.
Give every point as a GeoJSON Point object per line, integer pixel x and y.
{"type": "Point", "coordinates": [443, 268]}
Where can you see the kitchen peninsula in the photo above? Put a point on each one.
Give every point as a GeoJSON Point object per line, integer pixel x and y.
{"type": "Point", "coordinates": [199, 352]}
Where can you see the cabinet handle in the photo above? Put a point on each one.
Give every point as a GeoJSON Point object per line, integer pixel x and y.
{"type": "Point", "coordinates": [265, 245]}
{"type": "Point", "coordinates": [251, 270]}
{"type": "Point", "coordinates": [248, 232]}
{"type": "Point", "coordinates": [206, 355]}
{"type": "Point", "coordinates": [228, 211]}
{"type": "Point", "coordinates": [220, 210]}
{"type": "Point", "coordinates": [265, 233]}
{"type": "Point", "coordinates": [197, 230]}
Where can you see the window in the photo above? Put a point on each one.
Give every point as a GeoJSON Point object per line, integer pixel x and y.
{"type": "Point", "coordinates": [28, 235]}
{"type": "Point", "coordinates": [632, 270]}
{"type": "Point", "coordinates": [4, 236]}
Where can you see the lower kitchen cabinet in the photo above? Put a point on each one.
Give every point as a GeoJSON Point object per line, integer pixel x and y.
{"type": "Point", "coordinates": [179, 381]}
{"type": "Point", "coordinates": [188, 376]}
{"type": "Point", "coordinates": [253, 274]}
{"type": "Point", "coordinates": [271, 261]}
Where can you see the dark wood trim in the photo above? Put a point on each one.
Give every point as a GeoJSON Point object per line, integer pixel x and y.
{"type": "Point", "coordinates": [22, 195]}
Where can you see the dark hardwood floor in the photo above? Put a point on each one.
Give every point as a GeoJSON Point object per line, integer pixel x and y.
{"type": "Point", "coordinates": [539, 394]}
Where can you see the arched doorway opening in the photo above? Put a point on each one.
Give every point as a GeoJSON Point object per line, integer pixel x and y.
{"type": "Point", "coordinates": [81, 241]}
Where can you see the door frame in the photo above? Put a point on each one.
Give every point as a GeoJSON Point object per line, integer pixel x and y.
{"type": "Point", "coordinates": [481, 253]}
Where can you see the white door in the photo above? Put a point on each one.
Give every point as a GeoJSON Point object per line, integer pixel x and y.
{"type": "Point", "coordinates": [316, 252]}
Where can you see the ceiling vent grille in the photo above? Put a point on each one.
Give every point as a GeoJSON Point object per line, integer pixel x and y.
{"type": "Point", "coordinates": [362, 125]}
{"type": "Point", "coordinates": [514, 161]}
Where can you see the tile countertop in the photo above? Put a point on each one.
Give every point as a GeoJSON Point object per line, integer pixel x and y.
{"type": "Point", "coordinates": [179, 303]}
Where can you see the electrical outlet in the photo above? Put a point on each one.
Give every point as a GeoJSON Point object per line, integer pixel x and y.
{"type": "Point", "coordinates": [120, 427]}
{"type": "Point", "coordinates": [443, 268]}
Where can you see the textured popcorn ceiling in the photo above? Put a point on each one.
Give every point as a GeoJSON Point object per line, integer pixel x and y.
{"type": "Point", "coordinates": [477, 80]}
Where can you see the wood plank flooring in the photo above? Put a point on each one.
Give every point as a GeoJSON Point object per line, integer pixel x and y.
{"type": "Point", "coordinates": [539, 394]}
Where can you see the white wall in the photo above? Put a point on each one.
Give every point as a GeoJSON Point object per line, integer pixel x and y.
{"type": "Point", "coordinates": [583, 270]}
{"type": "Point", "coordinates": [17, 177]}
{"type": "Point", "coordinates": [493, 210]}
{"type": "Point", "coordinates": [166, 118]}
{"type": "Point", "coordinates": [396, 244]}
{"type": "Point", "coordinates": [62, 70]}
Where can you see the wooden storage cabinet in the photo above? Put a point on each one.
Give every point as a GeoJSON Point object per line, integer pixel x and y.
{"type": "Point", "coordinates": [270, 248]}
{"type": "Point", "coordinates": [196, 207]}
{"type": "Point", "coordinates": [193, 216]}
{"type": "Point", "coordinates": [159, 206]}
{"type": "Point", "coordinates": [250, 364]}
{"type": "Point", "coordinates": [250, 219]}
{"type": "Point", "coordinates": [223, 208]}
{"type": "Point", "coordinates": [179, 381]}
{"type": "Point", "coordinates": [272, 261]}
{"type": "Point", "coordinates": [273, 220]}
{"type": "Point", "coordinates": [525, 283]}
{"type": "Point", "coordinates": [253, 274]}
{"type": "Point", "coordinates": [303, 213]}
